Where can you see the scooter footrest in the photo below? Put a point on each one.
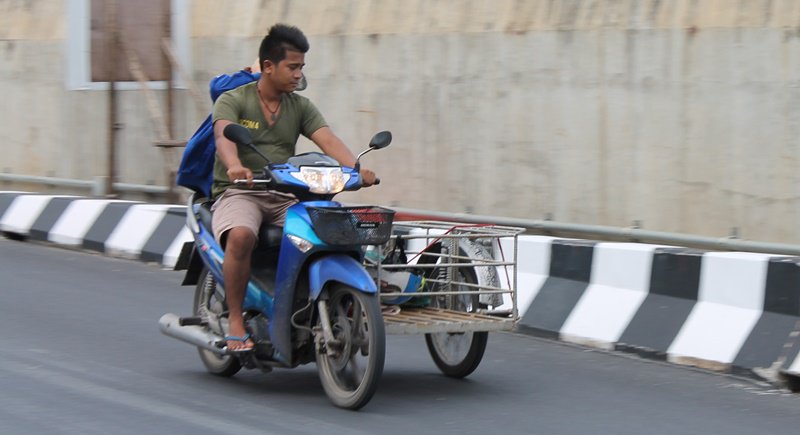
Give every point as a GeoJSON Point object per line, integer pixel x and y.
{"type": "Point", "coordinates": [191, 321]}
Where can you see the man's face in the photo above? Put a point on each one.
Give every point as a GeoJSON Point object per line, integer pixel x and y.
{"type": "Point", "coordinates": [287, 74]}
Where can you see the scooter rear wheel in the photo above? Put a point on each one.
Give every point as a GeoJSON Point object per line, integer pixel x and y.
{"type": "Point", "coordinates": [457, 355]}
{"type": "Point", "coordinates": [208, 300]}
{"type": "Point", "coordinates": [351, 365]}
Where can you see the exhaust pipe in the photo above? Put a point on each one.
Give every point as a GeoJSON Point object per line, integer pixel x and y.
{"type": "Point", "coordinates": [169, 324]}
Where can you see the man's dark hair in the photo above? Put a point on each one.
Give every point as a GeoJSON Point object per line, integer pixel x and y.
{"type": "Point", "coordinates": [280, 39]}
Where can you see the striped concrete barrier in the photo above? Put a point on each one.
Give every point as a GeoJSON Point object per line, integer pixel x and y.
{"type": "Point", "coordinates": [727, 311]}
{"type": "Point", "coordinates": [146, 232]}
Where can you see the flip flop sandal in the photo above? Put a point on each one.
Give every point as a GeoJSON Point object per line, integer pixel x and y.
{"type": "Point", "coordinates": [241, 339]}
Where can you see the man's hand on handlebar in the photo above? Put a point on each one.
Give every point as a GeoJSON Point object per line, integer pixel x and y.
{"type": "Point", "coordinates": [368, 178]}
{"type": "Point", "coordinates": [240, 173]}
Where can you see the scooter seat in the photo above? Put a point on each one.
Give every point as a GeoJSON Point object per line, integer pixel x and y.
{"type": "Point", "coordinates": [269, 236]}
{"type": "Point", "coordinates": [204, 214]}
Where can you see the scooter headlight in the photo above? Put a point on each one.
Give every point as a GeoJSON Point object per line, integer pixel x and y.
{"type": "Point", "coordinates": [322, 179]}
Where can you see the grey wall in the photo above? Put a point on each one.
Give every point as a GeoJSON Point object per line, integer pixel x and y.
{"type": "Point", "coordinates": [680, 114]}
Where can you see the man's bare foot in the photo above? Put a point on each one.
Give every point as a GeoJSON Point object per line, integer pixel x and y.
{"type": "Point", "coordinates": [238, 339]}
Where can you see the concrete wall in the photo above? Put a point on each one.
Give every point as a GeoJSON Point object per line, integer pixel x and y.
{"type": "Point", "coordinates": [679, 114]}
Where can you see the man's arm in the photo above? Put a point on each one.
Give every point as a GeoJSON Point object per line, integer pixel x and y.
{"type": "Point", "coordinates": [228, 152]}
{"type": "Point", "coordinates": [331, 145]}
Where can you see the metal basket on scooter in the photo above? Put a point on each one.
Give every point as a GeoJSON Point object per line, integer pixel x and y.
{"type": "Point", "coordinates": [365, 225]}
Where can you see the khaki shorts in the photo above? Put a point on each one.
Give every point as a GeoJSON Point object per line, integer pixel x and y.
{"type": "Point", "coordinates": [248, 208]}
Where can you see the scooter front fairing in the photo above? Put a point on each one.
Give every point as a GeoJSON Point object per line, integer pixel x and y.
{"type": "Point", "coordinates": [322, 262]}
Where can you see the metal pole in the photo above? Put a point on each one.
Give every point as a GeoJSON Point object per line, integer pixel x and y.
{"type": "Point", "coordinates": [111, 68]}
{"type": "Point", "coordinates": [166, 22]}
{"type": "Point", "coordinates": [638, 235]}
{"type": "Point", "coordinates": [84, 184]}
{"type": "Point", "coordinates": [172, 196]}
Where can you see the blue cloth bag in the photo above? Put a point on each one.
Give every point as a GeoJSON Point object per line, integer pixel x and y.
{"type": "Point", "coordinates": [196, 170]}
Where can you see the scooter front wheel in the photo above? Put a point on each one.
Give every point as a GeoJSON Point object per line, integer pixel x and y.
{"type": "Point", "coordinates": [352, 363]}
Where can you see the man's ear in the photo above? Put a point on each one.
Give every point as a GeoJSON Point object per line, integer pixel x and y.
{"type": "Point", "coordinates": [266, 67]}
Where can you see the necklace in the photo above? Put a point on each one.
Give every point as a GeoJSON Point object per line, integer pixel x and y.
{"type": "Point", "coordinates": [273, 114]}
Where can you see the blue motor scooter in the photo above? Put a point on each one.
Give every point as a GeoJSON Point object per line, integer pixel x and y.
{"type": "Point", "coordinates": [309, 298]}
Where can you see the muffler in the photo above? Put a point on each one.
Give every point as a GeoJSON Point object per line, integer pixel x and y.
{"type": "Point", "coordinates": [170, 325]}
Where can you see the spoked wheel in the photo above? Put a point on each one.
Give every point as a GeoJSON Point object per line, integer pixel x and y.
{"type": "Point", "coordinates": [209, 304]}
{"type": "Point", "coordinates": [457, 354]}
{"type": "Point", "coordinates": [351, 365]}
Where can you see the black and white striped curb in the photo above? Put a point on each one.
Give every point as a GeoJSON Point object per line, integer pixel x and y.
{"type": "Point", "coordinates": [140, 231]}
{"type": "Point", "coordinates": [734, 312]}
{"type": "Point", "coordinates": [728, 311]}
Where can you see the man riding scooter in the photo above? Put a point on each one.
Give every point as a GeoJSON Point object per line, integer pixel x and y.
{"type": "Point", "coordinates": [276, 117]}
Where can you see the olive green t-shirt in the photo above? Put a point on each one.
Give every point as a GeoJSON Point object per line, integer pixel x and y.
{"type": "Point", "coordinates": [297, 116]}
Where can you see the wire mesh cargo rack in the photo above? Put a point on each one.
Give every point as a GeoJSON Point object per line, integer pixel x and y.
{"type": "Point", "coordinates": [466, 274]}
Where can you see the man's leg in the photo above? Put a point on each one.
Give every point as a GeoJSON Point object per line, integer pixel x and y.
{"type": "Point", "coordinates": [236, 271]}
{"type": "Point", "coordinates": [237, 217]}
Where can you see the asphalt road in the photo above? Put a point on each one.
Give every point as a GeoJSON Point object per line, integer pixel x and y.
{"type": "Point", "coordinates": [80, 353]}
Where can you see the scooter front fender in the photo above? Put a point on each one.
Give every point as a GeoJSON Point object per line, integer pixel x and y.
{"type": "Point", "coordinates": [338, 268]}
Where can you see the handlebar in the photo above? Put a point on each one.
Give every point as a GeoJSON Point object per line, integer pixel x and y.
{"type": "Point", "coordinates": [254, 181]}
{"type": "Point", "coordinates": [260, 181]}
{"type": "Point", "coordinates": [276, 178]}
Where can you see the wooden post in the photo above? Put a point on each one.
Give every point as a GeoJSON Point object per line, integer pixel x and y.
{"type": "Point", "coordinates": [202, 102]}
{"type": "Point", "coordinates": [157, 117]}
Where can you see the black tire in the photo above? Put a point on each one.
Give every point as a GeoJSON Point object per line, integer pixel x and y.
{"type": "Point", "coordinates": [207, 298]}
{"type": "Point", "coordinates": [457, 355]}
{"type": "Point", "coordinates": [350, 369]}
{"type": "Point", "coordinates": [455, 366]}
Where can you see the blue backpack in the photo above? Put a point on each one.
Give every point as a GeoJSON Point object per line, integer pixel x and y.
{"type": "Point", "coordinates": [196, 170]}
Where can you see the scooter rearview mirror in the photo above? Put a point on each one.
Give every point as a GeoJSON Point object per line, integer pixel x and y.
{"type": "Point", "coordinates": [381, 140]}
{"type": "Point", "coordinates": [238, 134]}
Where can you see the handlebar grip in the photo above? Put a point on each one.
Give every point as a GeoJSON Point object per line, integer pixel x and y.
{"type": "Point", "coordinates": [255, 181]}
